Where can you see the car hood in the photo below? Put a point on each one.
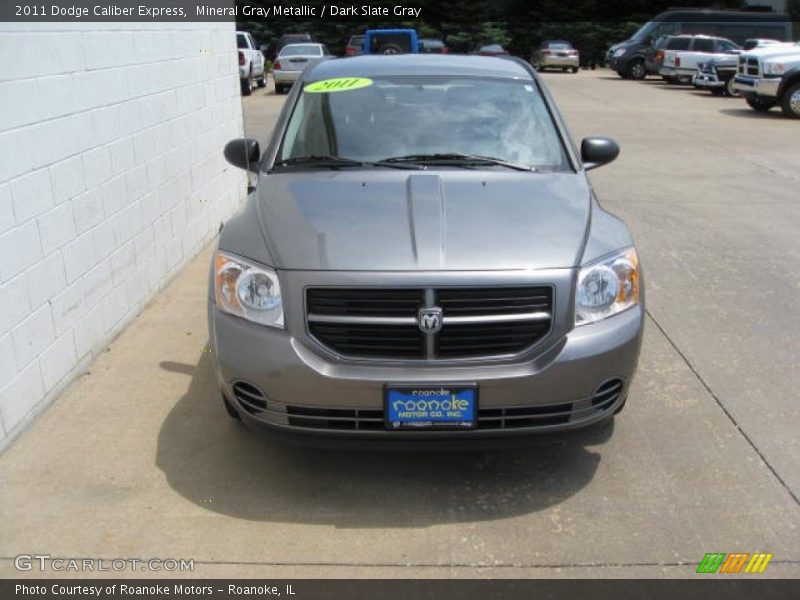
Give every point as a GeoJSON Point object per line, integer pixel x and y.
{"type": "Point", "coordinates": [401, 220]}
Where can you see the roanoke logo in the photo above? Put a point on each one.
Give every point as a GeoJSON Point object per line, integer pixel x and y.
{"type": "Point", "coordinates": [720, 562]}
{"type": "Point", "coordinates": [430, 319]}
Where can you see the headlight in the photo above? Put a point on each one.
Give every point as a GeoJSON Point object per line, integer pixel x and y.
{"type": "Point", "coordinates": [607, 287]}
{"type": "Point", "coordinates": [774, 68]}
{"type": "Point", "coordinates": [246, 290]}
{"type": "Point", "coordinates": [619, 52]}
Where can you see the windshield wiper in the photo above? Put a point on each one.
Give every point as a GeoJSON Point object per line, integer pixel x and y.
{"type": "Point", "coordinates": [336, 162]}
{"type": "Point", "coordinates": [455, 158]}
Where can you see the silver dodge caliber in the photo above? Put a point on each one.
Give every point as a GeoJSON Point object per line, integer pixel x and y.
{"type": "Point", "coordinates": [423, 261]}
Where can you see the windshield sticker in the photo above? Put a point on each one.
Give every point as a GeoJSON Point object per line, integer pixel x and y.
{"type": "Point", "coordinates": [338, 84]}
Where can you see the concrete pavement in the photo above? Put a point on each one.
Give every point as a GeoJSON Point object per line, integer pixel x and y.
{"type": "Point", "coordinates": [137, 458]}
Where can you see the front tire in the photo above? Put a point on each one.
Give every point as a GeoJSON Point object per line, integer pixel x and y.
{"type": "Point", "coordinates": [759, 105]}
{"type": "Point", "coordinates": [790, 103]}
{"type": "Point", "coordinates": [730, 90]}
{"type": "Point", "coordinates": [574, 69]}
{"type": "Point", "coordinates": [636, 69]}
{"type": "Point", "coordinates": [262, 81]}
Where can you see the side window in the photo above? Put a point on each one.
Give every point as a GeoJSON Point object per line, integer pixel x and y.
{"type": "Point", "coordinates": [703, 45]}
{"type": "Point", "coordinates": [725, 45]}
{"type": "Point", "coordinates": [679, 44]}
{"type": "Point", "coordinates": [665, 29]}
{"type": "Point", "coordinates": [252, 41]}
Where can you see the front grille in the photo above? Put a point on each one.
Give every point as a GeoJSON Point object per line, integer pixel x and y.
{"type": "Point", "coordinates": [489, 419]}
{"type": "Point", "coordinates": [334, 418]}
{"type": "Point", "coordinates": [383, 322]}
{"type": "Point", "coordinates": [752, 67]}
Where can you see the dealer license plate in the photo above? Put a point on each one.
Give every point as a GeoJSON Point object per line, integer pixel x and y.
{"type": "Point", "coordinates": [431, 407]}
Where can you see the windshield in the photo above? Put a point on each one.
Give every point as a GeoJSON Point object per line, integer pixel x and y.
{"type": "Point", "coordinates": [387, 117]}
{"type": "Point", "coordinates": [302, 50]}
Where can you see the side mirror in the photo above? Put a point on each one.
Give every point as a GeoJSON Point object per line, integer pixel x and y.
{"type": "Point", "coordinates": [243, 153]}
{"type": "Point", "coordinates": [598, 151]}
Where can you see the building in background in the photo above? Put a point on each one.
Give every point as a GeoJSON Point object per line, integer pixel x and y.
{"type": "Point", "coordinates": [111, 179]}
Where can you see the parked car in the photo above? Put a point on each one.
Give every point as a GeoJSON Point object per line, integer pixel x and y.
{"type": "Point", "coordinates": [654, 56]}
{"type": "Point", "coordinates": [716, 75]}
{"type": "Point", "coordinates": [683, 64]}
{"type": "Point", "coordinates": [770, 76]}
{"type": "Point", "coordinates": [391, 41]}
{"type": "Point", "coordinates": [355, 46]}
{"type": "Point", "coordinates": [490, 50]}
{"type": "Point", "coordinates": [349, 299]}
{"type": "Point", "coordinates": [251, 63]}
{"type": "Point", "coordinates": [556, 54]}
{"type": "Point", "coordinates": [628, 58]}
{"type": "Point", "coordinates": [292, 60]}
{"type": "Point", "coordinates": [433, 46]}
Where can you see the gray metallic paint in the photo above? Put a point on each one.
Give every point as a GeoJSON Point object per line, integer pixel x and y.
{"type": "Point", "coordinates": [436, 227]}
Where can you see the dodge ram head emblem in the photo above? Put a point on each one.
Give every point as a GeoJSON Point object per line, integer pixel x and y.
{"type": "Point", "coordinates": [430, 319]}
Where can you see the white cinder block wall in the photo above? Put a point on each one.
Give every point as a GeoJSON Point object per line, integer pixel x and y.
{"type": "Point", "coordinates": [111, 179]}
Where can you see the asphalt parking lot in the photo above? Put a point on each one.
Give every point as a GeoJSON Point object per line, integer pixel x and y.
{"type": "Point", "coordinates": [137, 458]}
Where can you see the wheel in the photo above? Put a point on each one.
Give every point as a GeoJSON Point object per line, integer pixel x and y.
{"type": "Point", "coordinates": [564, 69]}
{"type": "Point", "coordinates": [790, 102]}
{"type": "Point", "coordinates": [636, 69]}
{"type": "Point", "coordinates": [390, 49]}
{"type": "Point", "coordinates": [760, 105]}
{"type": "Point", "coordinates": [247, 86]}
{"type": "Point", "coordinates": [540, 69]}
{"type": "Point", "coordinates": [574, 69]}
{"type": "Point", "coordinates": [730, 90]}
{"type": "Point", "coordinates": [230, 409]}
{"type": "Point", "coordinates": [262, 81]}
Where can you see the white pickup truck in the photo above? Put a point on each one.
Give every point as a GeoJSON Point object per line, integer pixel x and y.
{"type": "Point", "coordinates": [251, 63]}
{"type": "Point", "coordinates": [683, 64]}
{"type": "Point", "coordinates": [769, 77]}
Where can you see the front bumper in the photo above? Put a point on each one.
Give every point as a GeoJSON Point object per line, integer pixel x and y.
{"type": "Point", "coordinates": [564, 385]}
{"type": "Point", "coordinates": [707, 81]}
{"type": "Point", "coordinates": [284, 76]}
{"type": "Point", "coordinates": [755, 86]}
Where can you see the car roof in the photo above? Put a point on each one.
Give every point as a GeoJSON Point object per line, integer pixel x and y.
{"type": "Point", "coordinates": [416, 64]}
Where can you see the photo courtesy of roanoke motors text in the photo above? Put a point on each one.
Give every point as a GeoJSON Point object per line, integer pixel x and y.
{"type": "Point", "coordinates": [411, 298]}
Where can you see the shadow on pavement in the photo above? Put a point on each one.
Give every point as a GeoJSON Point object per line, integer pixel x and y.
{"type": "Point", "coordinates": [218, 464]}
{"type": "Point", "coordinates": [749, 113]}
